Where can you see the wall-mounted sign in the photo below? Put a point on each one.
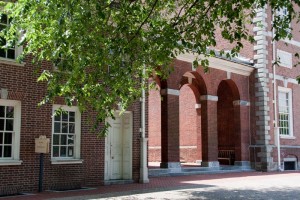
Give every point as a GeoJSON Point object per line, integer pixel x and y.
{"type": "Point", "coordinates": [42, 144]}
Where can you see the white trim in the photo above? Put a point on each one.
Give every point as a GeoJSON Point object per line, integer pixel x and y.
{"type": "Point", "coordinates": [283, 78]}
{"type": "Point", "coordinates": [17, 132]}
{"type": "Point", "coordinates": [197, 105]}
{"type": "Point", "coordinates": [187, 147]}
{"type": "Point", "coordinates": [286, 40]}
{"type": "Point", "coordinates": [154, 147]}
{"type": "Point", "coordinates": [170, 92]}
{"type": "Point", "coordinates": [287, 137]}
{"type": "Point", "coordinates": [11, 62]}
{"type": "Point", "coordinates": [289, 159]}
{"type": "Point", "coordinates": [10, 162]}
{"type": "Point", "coordinates": [208, 98]}
{"type": "Point", "coordinates": [173, 92]}
{"type": "Point", "coordinates": [241, 103]}
{"type": "Point", "coordinates": [218, 63]}
{"type": "Point", "coordinates": [69, 161]}
{"type": "Point", "coordinates": [77, 144]}
{"type": "Point", "coordinates": [290, 106]}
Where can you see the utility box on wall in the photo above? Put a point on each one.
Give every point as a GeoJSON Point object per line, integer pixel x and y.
{"type": "Point", "coordinates": [42, 144]}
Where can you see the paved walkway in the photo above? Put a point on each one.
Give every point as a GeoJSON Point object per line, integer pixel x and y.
{"type": "Point", "coordinates": [243, 185]}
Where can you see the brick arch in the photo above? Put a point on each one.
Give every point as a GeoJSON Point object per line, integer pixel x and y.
{"type": "Point", "coordinates": [233, 88]}
{"type": "Point", "coordinates": [228, 116]}
{"type": "Point", "coordinates": [196, 82]}
{"type": "Point", "coordinates": [189, 124]}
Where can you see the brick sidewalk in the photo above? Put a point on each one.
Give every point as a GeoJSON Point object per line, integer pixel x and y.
{"type": "Point", "coordinates": [156, 184]}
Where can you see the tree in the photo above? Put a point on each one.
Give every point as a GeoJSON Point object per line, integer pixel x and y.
{"type": "Point", "coordinates": [101, 47]}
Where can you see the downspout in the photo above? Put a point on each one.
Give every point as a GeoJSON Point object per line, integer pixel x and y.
{"type": "Point", "coordinates": [144, 168]}
{"type": "Point", "coordinates": [276, 129]}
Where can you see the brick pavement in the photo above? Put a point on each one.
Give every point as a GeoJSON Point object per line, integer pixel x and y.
{"type": "Point", "coordinates": [156, 185]}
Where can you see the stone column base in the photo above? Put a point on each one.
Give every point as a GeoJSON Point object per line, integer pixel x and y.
{"type": "Point", "coordinates": [211, 164]}
{"type": "Point", "coordinates": [172, 166]}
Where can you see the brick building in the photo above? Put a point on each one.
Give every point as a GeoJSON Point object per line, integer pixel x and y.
{"type": "Point", "coordinates": [77, 156]}
{"type": "Point", "coordinates": [244, 112]}
{"type": "Point", "coordinates": [192, 117]}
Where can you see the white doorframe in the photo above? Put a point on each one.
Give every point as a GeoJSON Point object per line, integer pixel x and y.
{"type": "Point", "coordinates": [121, 146]}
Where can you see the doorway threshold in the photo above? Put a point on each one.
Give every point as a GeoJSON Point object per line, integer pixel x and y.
{"type": "Point", "coordinates": [117, 182]}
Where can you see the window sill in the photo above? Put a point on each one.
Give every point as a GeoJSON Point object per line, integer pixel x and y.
{"type": "Point", "coordinates": [69, 161]}
{"type": "Point", "coordinates": [10, 162]}
{"type": "Point", "coordinates": [11, 62]}
{"type": "Point", "coordinates": [287, 137]}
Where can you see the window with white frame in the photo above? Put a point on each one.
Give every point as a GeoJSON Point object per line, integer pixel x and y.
{"type": "Point", "coordinates": [282, 13]}
{"type": "Point", "coordinates": [285, 116]}
{"type": "Point", "coordinates": [10, 123]}
{"type": "Point", "coordinates": [6, 53]}
{"type": "Point", "coordinates": [66, 132]}
{"type": "Point", "coordinates": [14, 51]}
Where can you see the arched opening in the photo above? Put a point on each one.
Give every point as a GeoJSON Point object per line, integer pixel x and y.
{"type": "Point", "coordinates": [189, 125]}
{"type": "Point", "coordinates": [192, 86]}
{"type": "Point", "coordinates": [228, 116]}
{"type": "Point", "coordinates": [154, 126]}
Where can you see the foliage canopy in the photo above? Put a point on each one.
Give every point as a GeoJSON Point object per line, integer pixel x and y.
{"type": "Point", "coordinates": [101, 47]}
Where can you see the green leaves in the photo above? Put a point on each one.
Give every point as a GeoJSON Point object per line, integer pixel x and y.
{"type": "Point", "coordinates": [99, 48]}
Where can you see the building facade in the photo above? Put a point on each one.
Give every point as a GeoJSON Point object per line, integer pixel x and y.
{"type": "Point", "coordinates": [77, 157]}
{"type": "Point", "coordinates": [244, 112]}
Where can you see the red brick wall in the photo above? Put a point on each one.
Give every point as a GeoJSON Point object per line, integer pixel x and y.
{"type": "Point", "coordinates": [21, 82]}
{"type": "Point", "coordinates": [154, 126]}
{"type": "Point", "coordinates": [188, 125]}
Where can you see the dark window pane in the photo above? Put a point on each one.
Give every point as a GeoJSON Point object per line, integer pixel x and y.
{"type": "Point", "coordinates": [55, 151]}
{"type": "Point", "coordinates": [70, 151]}
{"type": "Point", "coordinates": [10, 112]}
{"type": "Point", "coordinates": [71, 116]}
{"type": "Point", "coordinates": [2, 53]}
{"type": "Point", "coordinates": [1, 147]}
{"type": "Point", "coordinates": [71, 127]}
{"type": "Point", "coordinates": [55, 139]}
{"type": "Point", "coordinates": [4, 19]}
{"type": "Point", "coordinates": [2, 109]}
{"type": "Point", "coordinates": [63, 152]}
{"type": "Point", "coordinates": [11, 53]}
{"type": "Point", "coordinates": [1, 138]}
{"type": "Point", "coordinates": [64, 128]}
{"type": "Point", "coordinates": [65, 116]}
{"type": "Point", "coordinates": [56, 127]}
{"type": "Point", "coordinates": [57, 117]}
{"type": "Point", "coordinates": [63, 139]}
{"type": "Point", "coordinates": [1, 124]}
{"type": "Point", "coordinates": [7, 151]}
{"type": "Point", "coordinates": [9, 125]}
{"type": "Point", "coordinates": [8, 138]}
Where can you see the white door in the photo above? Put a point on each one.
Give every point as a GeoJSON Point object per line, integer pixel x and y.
{"type": "Point", "coordinates": [118, 155]}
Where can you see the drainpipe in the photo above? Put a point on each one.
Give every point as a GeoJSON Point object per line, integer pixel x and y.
{"type": "Point", "coordinates": [144, 168]}
{"type": "Point", "coordinates": [276, 129]}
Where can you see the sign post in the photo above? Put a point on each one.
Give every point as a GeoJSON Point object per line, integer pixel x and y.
{"type": "Point", "coordinates": [42, 147]}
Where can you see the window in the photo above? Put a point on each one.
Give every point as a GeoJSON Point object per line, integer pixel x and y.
{"type": "Point", "coordinates": [10, 53]}
{"type": "Point", "coordinates": [66, 133]}
{"type": "Point", "coordinates": [6, 53]}
{"type": "Point", "coordinates": [285, 111]}
{"type": "Point", "coordinates": [282, 13]}
{"type": "Point", "coordinates": [10, 118]}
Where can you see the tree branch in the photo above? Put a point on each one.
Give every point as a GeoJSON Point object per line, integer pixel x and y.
{"type": "Point", "coordinates": [142, 24]}
{"type": "Point", "coordinates": [185, 14]}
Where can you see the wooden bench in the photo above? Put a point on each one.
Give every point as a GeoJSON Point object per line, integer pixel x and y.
{"type": "Point", "coordinates": [228, 155]}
